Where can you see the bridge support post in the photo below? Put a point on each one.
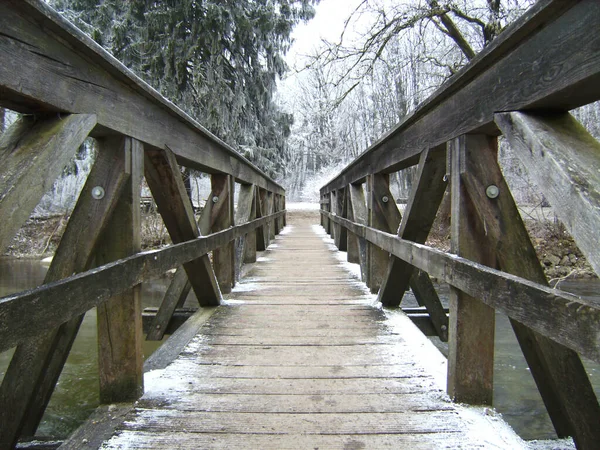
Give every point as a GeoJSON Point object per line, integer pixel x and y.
{"type": "Point", "coordinates": [384, 216]}
{"type": "Point", "coordinates": [341, 236]}
{"type": "Point", "coordinates": [36, 364]}
{"type": "Point", "coordinates": [221, 219]}
{"type": "Point", "coordinates": [120, 335]}
{"type": "Point", "coordinates": [472, 323]}
{"type": "Point", "coordinates": [357, 212]}
{"type": "Point", "coordinates": [351, 238]}
{"type": "Point", "coordinates": [271, 210]}
{"type": "Point", "coordinates": [557, 370]}
{"type": "Point", "coordinates": [262, 233]}
{"type": "Point", "coordinates": [245, 247]}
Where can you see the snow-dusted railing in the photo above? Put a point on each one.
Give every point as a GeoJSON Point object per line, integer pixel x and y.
{"type": "Point", "coordinates": [522, 86]}
{"type": "Point", "coordinates": [68, 88]}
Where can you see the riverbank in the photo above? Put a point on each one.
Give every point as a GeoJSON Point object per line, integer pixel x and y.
{"type": "Point", "coordinates": [556, 249]}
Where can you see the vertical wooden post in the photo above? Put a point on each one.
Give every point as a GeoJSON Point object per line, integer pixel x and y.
{"type": "Point", "coordinates": [471, 324]}
{"type": "Point", "coordinates": [383, 215]}
{"type": "Point", "coordinates": [277, 208]}
{"type": "Point", "coordinates": [262, 234]}
{"type": "Point", "coordinates": [245, 247]}
{"type": "Point", "coordinates": [357, 212]}
{"type": "Point", "coordinates": [335, 228]}
{"type": "Point", "coordinates": [120, 358]}
{"type": "Point", "coordinates": [224, 257]}
{"type": "Point", "coordinates": [284, 208]}
{"type": "Point", "coordinates": [328, 227]}
{"type": "Point", "coordinates": [271, 210]}
{"type": "Point", "coordinates": [558, 371]}
{"type": "Point", "coordinates": [351, 239]}
{"type": "Point", "coordinates": [36, 364]}
{"type": "Point", "coordinates": [340, 209]}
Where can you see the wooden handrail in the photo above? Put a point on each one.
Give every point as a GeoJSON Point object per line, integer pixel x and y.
{"type": "Point", "coordinates": [558, 315]}
{"type": "Point", "coordinates": [31, 313]}
{"type": "Point", "coordinates": [545, 60]}
{"type": "Point", "coordinates": [49, 65]}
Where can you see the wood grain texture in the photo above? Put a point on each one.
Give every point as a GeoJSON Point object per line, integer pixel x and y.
{"type": "Point", "coordinates": [566, 74]}
{"type": "Point", "coordinates": [34, 152]}
{"type": "Point", "coordinates": [222, 217]}
{"type": "Point", "coordinates": [383, 215]}
{"type": "Point", "coordinates": [176, 295]}
{"type": "Point", "coordinates": [62, 69]}
{"type": "Point", "coordinates": [557, 370]}
{"type": "Point", "coordinates": [472, 322]}
{"type": "Point", "coordinates": [119, 320]}
{"type": "Point", "coordinates": [75, 295]}
{"type": "Point", "coordinates": [245, 246]}
{"type": "Point", "coordinates": [420, 212]}
{"type": "Point", "coordinates": [563, 159]}
{"type": "Point", "coordinates": [357, 212]}
{"type": "Point", "coordinates": [37, 363]}
{"type": "Point", "coordinates": [166, 184]}
{"type": "Point", "coordinates": [267, 373]}
{"type": "Point", "coordinates": [567, 319]}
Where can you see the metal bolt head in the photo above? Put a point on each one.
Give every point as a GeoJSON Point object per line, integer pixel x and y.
{"type": "Point", "coordinates": [215, 199]}
{"type": "Point", "coordinates": [385, 199]}
{"type": "Point", "coordinates": [443, 328]}
{"type": "Point", "coordinates": [98, 192]}
{"type": "Point", "coordinates": [492, 191]}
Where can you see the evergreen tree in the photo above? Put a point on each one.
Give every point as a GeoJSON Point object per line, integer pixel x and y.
{"type": "Point", "coordinates": [217, 59]}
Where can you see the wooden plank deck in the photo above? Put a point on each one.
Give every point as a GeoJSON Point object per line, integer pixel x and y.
{"type": "Point", "coordinates": [299, 357]}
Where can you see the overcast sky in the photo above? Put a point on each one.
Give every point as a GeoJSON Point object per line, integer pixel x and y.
{"type": "Point", "coordinates": [328, 23]}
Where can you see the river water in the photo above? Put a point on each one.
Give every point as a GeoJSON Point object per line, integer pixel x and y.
{"type": "Point", "coordinates": [76, 396]}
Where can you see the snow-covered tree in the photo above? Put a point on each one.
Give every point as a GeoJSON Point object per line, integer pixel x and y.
{"type": "Point", "coordinates": [217, 59]}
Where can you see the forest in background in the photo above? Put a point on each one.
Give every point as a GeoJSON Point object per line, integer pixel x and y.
{"type": "Point", "coordinates": [301, 121]}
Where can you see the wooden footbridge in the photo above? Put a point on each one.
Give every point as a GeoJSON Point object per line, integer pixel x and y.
{"type": "Point", "coordinates": [297, 355]}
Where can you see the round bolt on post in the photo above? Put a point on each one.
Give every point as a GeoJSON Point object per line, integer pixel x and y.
{"type": "Point", "coordinates": [98, 192]}
{"type": "Point", "coordinates": [492, 191]}
{"type": "Point", "coordinates": [215, 199]}
{"type": "Point", "coordinates": [385, 199]}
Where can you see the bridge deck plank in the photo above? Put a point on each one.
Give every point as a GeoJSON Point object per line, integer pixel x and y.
{"type": "Point", "coordinates": [306, 361]}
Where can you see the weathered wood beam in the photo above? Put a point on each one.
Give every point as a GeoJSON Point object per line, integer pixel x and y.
{"type": "Point", "coordinates": [38, 360]}
{"type": "Point", "coordinates": [176, 320]}
{"type": "Point", "coordinates": [564, 160]}
{"type": "Point", "coordinates": [351, 240]}
{"type": "Point", "coordinates": [271, 209]}
{"type": "Point", "coordinates": [357, 212]}
{"type": "Point", "coordinates": [420, 212]}
{"type": "Point", "coordinates": [472, 322]}
{"type": "Point", "coordinates": [65, 299]}
{"type": "Point", "coordinates": [565, 318]}
{"type": "Point", "coordinates": [261, 233]}
{"type": "Point", "coordinates": [245, 246]}
{"type": "Point", "coordinates": [33, 152]}
{"type": "Point", "coordinates": [49, 65]}
{"type": "Point", "coordinates": [176, 294]}
{"type": "Point", "coordinates": [553, 34]}
{"type": "Point", "coordinates": [426, 294]}
{"type": "Point", "coordinates": [342, 210]}
{"type": "Point", "coordinates": [166, 184]}
{"type": "Point", "coordinates": [557, 370]}
{"type": "Point", "coordinates": [222, 217]}
{"type": "Point", "coordinates": [120, 354]}
{"type": "Point", "coordinates": [383, 215]}
{"type": "Point", "coordinates": [179, 288]}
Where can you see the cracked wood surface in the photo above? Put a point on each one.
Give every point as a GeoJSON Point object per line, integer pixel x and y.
{"type": "Point", "coordinates": [300, 358]}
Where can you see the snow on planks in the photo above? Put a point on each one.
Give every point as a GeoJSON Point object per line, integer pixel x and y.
{"type": "Point", "coordinates": [300, 358]}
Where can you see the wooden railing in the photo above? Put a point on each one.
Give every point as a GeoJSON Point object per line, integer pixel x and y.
{"type": "Point", "coordinates": [68, 88]}
{"type": "Point", "coordinates": [522, 86]}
